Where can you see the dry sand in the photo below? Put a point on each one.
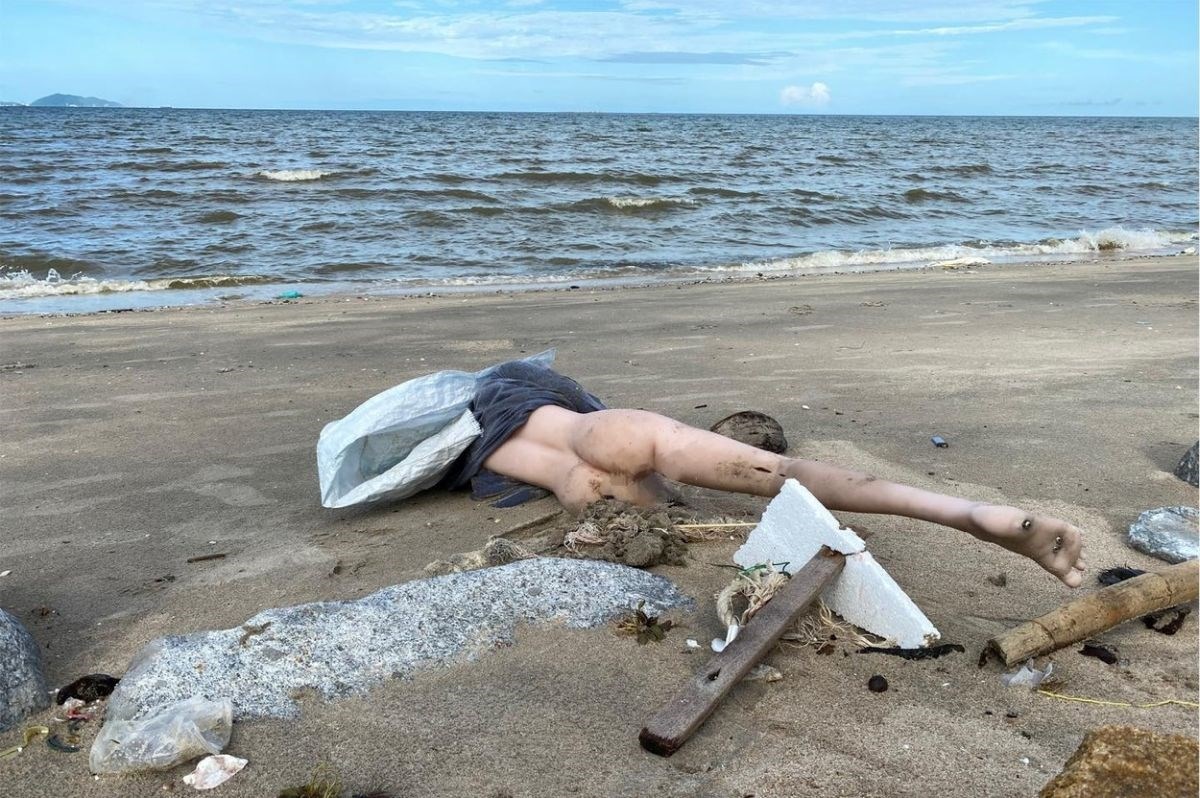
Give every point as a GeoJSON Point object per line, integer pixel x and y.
{"type": "Point", "coordinates": [134, 441]}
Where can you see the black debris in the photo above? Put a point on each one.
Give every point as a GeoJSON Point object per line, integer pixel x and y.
{"type": "Point", "coordinates": [1170, 627]}
{"type": "Point", "coordinates": [1099, 652]}
{"type": "Point", "coordinates": [1111, 576]}
{"type": "Point", "coordinates": [877, 684]}
{"type": "Point", "coordinates": [92, 687]}
{"type": "Point", "coordinates": [933, 652]}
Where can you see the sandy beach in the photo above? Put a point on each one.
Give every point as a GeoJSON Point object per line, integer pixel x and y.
{"type": "Point", "coordinates": [135, 441]}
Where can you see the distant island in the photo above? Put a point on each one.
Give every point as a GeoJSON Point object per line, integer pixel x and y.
{"type": "Point", "coordinates": [73, 101]}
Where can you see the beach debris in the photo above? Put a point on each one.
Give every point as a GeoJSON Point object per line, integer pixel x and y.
{"type": "Point", "coordinates": [22, 686]}
{"type": "Point", "coordinates": [763, 673]}
{"type": "Point", "coordinates": [1098, 612]}
{"type": "Point", "coordinates": [821, 629]}
{"type": "Point", "coordinates": [68, 746]}
{"type": "Point", "coordinates": [877, 684]}
{"type": "Point", "coordinates": [731, 632]}
{"type": "Point", "coordinates": [793, 529]}
{"type": "Point", "coordinates": [1099, 652]}
{"type": "Point", "coordinates": [497, 551]}
{"type": "Point", "coordinates": [164, 737]}
{"type": "Point", "coordinates": [289, 295]}
{"type": "Point", "coordinates": [6, 573]}
{"type": "Point", "coordinates": [692, 643]}
{"type": "Point", "coordinates": [1168, 533]}
{"type": "Point", "coordinates": [322, 784]}
{"type": "Point", "coordinates": [955, 264]}
{"type": "Point", "coordinates": [616, 531]}
{"type": "Point", "coordinates": [1117, 761]}
{"type": "Point", "coordinates": [749, 592]}
{"type": "Point", "coordinates": [1026, 676]}
{"type": "Point", "coordinates": [754, 428]}
{"type": "Point", "coordinates": [1166, 702]}
{"type": "Point", "coordinates": [1189, 469]}
{"type": "Point", "coordinates": [80, 711]}
{"type": "Point", "coordinates": [401, 441]}
{"type": "Point", "coordinates": [801, 310]}
{"type": "Point", "coordinates": [684, 713]}
{"type": "Point", "coordinates": [1177, 614]}
{"type": "Point", "coordinates": [333, 649]}
{"type": "Point", "coordinates": [213, 771]}
{"type": "Point", "coordinates": [30, 734]}
{"type": "Point", "coordinates": [645, 627]}
{"type": "Point", "coordinates": [939, 442]}
{"type": "Point", "coordinates": [218, 555]}
{"type": "Point", "coordinates": [93, 687]}
{"type": "Point", "coordinates": [932, 652]}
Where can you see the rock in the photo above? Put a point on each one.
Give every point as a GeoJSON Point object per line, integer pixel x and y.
{"type": "Point", "coordinates": [22, 686]}
{"type": "Point", "coordinates": [342, 648]}
{"type": "Point", "coordinates": [1168, 533]}
{"type": "Point", "coordinates": [757, 429]}
{"type": "Point", "coordinates": [1187, 468]}
{"type": "Point", "coordinates": [1117, 761]}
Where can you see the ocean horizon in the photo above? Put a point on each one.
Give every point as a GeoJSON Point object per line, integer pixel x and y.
{"type": "Point", "coordinates": [130, 207]}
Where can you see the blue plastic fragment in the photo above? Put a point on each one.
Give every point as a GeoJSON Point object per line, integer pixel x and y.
{"type": "Point", "coordinates": [939, 441]}
{"type": "Point", "coordinates": [290, 295]}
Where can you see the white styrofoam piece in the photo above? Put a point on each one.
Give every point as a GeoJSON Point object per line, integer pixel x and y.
{"type": "Point", "coordinates": [867, 596]}
{"type": "Point", "coordinates": [793, 529]}
{"type": "Point", "coordinates": [795, 526]}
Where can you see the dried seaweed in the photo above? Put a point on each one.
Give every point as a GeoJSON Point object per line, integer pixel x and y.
{"type": "Point", "coordinates": [644, 627]}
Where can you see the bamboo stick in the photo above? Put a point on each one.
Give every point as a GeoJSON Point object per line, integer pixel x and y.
{"type": "Point", "coordinates": [1099, 611]}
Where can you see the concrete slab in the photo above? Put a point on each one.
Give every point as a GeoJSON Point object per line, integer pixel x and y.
{"type": "Point", "coordinates": [340, 648]}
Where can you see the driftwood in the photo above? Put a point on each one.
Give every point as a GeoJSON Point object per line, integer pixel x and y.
{"type": "Point", "coordinates": [676, 722]}
{"type": "Point", "coordinates": [1099, 611]}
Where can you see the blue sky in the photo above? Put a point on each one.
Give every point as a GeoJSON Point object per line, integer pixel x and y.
{"type": "Point", "coordinates": [1040, 57]}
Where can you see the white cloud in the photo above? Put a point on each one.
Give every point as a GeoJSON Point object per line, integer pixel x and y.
{"type": "Point", "coordinates": [816, 95]}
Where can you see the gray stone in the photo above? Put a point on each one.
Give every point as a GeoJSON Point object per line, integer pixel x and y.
{"type": "Point", "coordinates": [340, 648]}
{"type": "Point", "coordinates": [1168, 533]}
{"type": "Point", "coordinates": [22, 686]}
{"type": "Point", "coordinates": [1188, 467]}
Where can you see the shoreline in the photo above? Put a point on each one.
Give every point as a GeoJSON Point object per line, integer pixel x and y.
{"type": "Point", "coordinates": [135, 441]}
{"type": "Point", "coordinates": [259, 291]}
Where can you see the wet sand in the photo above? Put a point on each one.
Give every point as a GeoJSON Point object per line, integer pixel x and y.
{"type": "Point", "coordinates": [135, 441]}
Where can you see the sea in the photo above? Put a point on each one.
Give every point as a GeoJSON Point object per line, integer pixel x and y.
{"type": "Point", "coordinates": [104, 209]}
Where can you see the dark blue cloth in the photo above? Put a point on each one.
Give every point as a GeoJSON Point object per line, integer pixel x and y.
{"type": "Point", "coordinates": [505, 398]}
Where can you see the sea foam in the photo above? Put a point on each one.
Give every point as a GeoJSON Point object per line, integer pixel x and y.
{"type": "Point", "coordinates": [294, 175]}
{"type": "Point", "coordinates": [21, 284]}
{"type": "Point", "coordinates": [1109, 240]}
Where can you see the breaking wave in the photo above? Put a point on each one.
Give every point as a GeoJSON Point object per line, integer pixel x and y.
{"type": "Point", "coordinates": [22, 284]}
{"type": "Point", "coordinates": [633, 204]}
{"type": "Point", "coordinates": [294, 175]}
{"type": "Point", "coordinates": [1109, 240]}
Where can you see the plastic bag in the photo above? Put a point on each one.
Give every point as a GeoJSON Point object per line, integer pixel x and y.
{"type": "Point", "coordinates": [213, 771]}
{"type": "Point", "coordinates": [401, 441]}
{"type": "Point", "coordinates": [1026, 676]}
{"type": "Point", "coordinates": [171, 734]}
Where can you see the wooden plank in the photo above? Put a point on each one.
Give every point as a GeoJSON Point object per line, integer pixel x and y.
{"type": "Point", "coordinates": [679, 719]}
{"type": "Point", "coordinates": [1099, 611]}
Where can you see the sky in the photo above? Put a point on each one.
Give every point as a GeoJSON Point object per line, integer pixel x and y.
{"type": "Point", "coordinates": [970, 57]}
